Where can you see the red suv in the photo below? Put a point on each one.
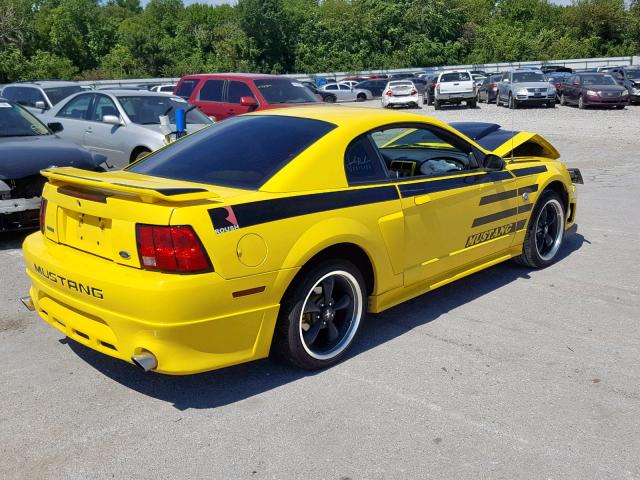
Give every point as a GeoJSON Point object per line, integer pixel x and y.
{"type": "Point", "coordinates": [223, 95]}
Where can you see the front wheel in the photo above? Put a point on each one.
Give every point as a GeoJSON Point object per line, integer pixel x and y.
{"type": "Point", "coordinates": [512, 102]}
{"type": "Point", "coordinates": [472, 104]}
{"type": "Point", "coordinates": [436, 104]}
{"type": "Point", "coordinates": [545, 232]}
{"type": "Point", "coordinates": [498, 102]}
{"type": "Point", "coordinates": [320, 315]}
{"type": "Point", "coordinates": [361, 97]}
{"type": "Point", "coordinates": [581, 104]}
{"type": "Point", "coordinates": [563, 100]}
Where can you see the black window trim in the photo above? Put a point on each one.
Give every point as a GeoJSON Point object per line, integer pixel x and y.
{"type": "Point", "coordinates": [94, 102]}
{"type": "Point", "coordinates": [253, 94]}
{"type": "Point", "coordinates": [478, 156]}
{"type": "Point", "coordinates": [224, 90]}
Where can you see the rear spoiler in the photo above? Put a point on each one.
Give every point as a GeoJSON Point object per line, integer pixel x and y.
{"type": "Point", "coordinates": [103, 183]}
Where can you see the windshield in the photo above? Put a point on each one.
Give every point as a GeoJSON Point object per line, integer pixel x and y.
{"type": "Point", "coordinates": [56, 94]}
{"type": "Point", "coordinates": [15, 121]}
{"type": "Point", "coordinates": [598, 80]}
{"type": "Point", "coordinates": [633, 73]}
{"type": "Point", "coordinates": [281, 90]}
{"type": "Point", "coordinates": [519, 77]}
{"type": "Point", "coordinates": [221, 154]}
{"type": "Point", "coordinates": [146, 110]}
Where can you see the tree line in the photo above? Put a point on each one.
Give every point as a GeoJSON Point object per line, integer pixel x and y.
{"type": "Point", "coordinates": [93, 39]}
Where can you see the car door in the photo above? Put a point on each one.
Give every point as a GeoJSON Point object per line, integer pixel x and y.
{"type": "Point", "coordinates": [237, 89]}
{"type": "Point", "coordinates": [73, 117]}
{"type": "Point", "coordinates": [104, 138]}
{"type": "Point", "coordinates": [456, 214]}
{"type": "Point", "coordinates": [210, 99]}
{"type": "Point", "coordinates": [346, 93]}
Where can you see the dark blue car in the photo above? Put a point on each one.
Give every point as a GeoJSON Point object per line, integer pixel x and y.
{"type": "Point", "coordinates": [26, 147]}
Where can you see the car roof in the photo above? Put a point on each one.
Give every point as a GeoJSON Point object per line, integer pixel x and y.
{"type": "Point", "coordinates": [245, 76]}
{"type": "Point", "coordinates": [43, 84]}
{"type": "Point", "coordinates": [129, 92]}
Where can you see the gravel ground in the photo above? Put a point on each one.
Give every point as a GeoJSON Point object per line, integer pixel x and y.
{"type": "Point", "coordinates": [507, 374]}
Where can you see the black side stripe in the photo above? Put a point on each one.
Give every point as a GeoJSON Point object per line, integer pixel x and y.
{"type": "Point", "coordinates": [256, 213]}
{"type": "Point", "coordinates": [500, 215]}
{"type": "Point", "coordinates": [432, 186]}
{"type": "Point", "coordinates": [496, 197]}
{"type": "Point", "coordinates": [521, 172]}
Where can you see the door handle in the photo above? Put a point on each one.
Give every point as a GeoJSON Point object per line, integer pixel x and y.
{"type": "Point", "coordinates": [422, 199]}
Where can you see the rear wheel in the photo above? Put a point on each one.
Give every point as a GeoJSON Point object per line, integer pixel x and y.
{"type": "Point", "coordinates": [620, 107]}
{"type": "Point", "coordinates": [138, 154]}
{"type": "Point", "coordinates": [498, 102]}
{"type": "Point", "coordinates": [429, 99]}
{"type": "Point", "coordinates": [330, 99]}
{"type": "Point", "coordinates": [472, 104]}
{"type": "Point", "coordinates": [436, 104]}
{"type": "Point", "coordinates": [320, 315]}
{"type": "Point", "coordinates": [563, 100]}
{"type": "Point", "coordinates": [361, 97]}
{"type": "Point", "coordinates": [545, 232]}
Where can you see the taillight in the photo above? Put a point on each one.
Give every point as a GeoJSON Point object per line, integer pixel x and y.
{"type": "Point", "coordinates": [558, 86]}
{"type": "Point", "coordinates": [171, 249]}
{"type": "Point", "coordinates": [493, 85]}
{"type": "Point", "coordinates": [389, 93]}
{"type": "Point", "coordinates": [43, 214]}
{"type": "Point", "coordinates": [413, 92]}
{"type": "Point", "coordinates": [438, 87]}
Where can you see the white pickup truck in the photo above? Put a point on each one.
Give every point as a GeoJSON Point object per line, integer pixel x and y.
{"type": "Point", "coordinates": [454, 87]}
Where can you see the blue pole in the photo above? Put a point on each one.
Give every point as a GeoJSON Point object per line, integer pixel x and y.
{"type": "Point", "coordinates": [181, 123]}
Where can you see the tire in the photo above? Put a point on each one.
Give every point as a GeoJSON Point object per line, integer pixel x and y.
{"type": "Point", "coordinates": [512, 103]}
{"type": "Point", "coordinates": [480, 98]}
{"type": "Point", "coordinates": [330, 99]}
{"type": "Point", "coordinates": [322, 336]}
{"type": "Point", "coordinates": [498, 102]}
{"type": "Point", "coordinates": [620, 107]}
{"type": "Point", "coordinates": [563, 100]}
{"type": "Point", "coordinates": [139, 154]}
{"type": "Point", "coordinates": [472, 104]}
{"type": "Point", "coordinates": [537, 252]}
{"type": "Point", "coordinates": [361, 97]}
{"type": "Point", "coordinates": [581, 104]}
{"type": "Point", "coordinates": [436, 104]}
{"type": "Point", "coordinates": [429, 99]}
{"type": "Point", "coordinates": [551, 104]}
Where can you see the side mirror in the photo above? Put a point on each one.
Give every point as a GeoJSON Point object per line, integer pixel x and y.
{"type": "Point", "coordinates": [112, 120]}
{"type": "Point", "coordinates": [41, 105]}
{"type": "Point", "coordinates": [55, 127]}
{"type": "Point", "coordinates": [248, 102]}
{"type": "Point", "coordinates": [576, 82]}
{"type": "Point", "coordinates": [212, 118]}
{"type": "Point", "coordinates": [506, 80]}
{"type": "Point", "coordinates": [494, 162]}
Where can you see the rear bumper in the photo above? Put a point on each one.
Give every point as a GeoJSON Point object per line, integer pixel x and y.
{"type": "Point", "coordinates": [456, 97]}
{"type": "Point", "coordinates": [19, 213]}
{"type": "Point", "coordinates": [191, 323]}
{"type": "Point", "coordinates": [405, 100]}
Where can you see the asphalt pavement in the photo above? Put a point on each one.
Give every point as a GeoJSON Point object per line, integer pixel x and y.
{"type": "Point", "coordinates": [508, 374]}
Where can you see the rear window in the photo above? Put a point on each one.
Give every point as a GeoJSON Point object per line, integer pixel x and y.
{"type": "Point", "coordinates": [455, 77]}
{"type": "Point", "coordinates": [186, 88]}
{"type": "Point", "coordinates": [241, 152]}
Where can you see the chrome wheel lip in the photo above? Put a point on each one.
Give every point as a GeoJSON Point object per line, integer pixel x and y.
{"type": "Point", "coordinates": [557, 241]}
{"type": "Point", "coordinates": [356, 298]}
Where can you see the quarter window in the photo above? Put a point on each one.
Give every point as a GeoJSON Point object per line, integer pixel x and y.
{"type": "Point", "coordinates": [186, 88]}
{"type": "Point", "coordinates": [362, 162]}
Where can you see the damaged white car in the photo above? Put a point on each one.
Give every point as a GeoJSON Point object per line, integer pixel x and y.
{"type": "Point", "coordinates": [26, 147]}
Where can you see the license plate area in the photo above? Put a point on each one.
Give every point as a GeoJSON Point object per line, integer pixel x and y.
{"type": "Point", "coordinates": [86, 232]}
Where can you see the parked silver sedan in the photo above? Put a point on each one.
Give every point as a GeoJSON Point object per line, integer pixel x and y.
{"type": "Point", "coordinates": [341, 92]}
{"type": "Point", "coordinates": [123, 125]}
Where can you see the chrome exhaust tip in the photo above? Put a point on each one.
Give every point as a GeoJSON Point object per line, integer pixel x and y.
{"type": "Point", "coordinates": [146, 361]}
{"type": "Point", "coordinates": [27, 302]}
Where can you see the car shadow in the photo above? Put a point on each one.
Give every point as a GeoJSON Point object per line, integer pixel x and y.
{"type": "Point", "coordinates": [14, 239]}
{"type": "Point", "coordinates": [233, 384]}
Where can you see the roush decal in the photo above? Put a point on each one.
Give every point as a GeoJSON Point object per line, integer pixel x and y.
{"type": "Point", "coordinates": [496, 232]}
{"type": "Point", "coordinates": [223, 219]}
{"type": "Point", "coordinates": [494, 217]}
{"type": "Point", "coordinates": [264, 211]}
{"type": "Point", "coordinates": [496, 197]}
{"type": "Point", "coordinates": [68, 283]}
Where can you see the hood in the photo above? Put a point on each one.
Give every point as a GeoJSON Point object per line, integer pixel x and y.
{"type": "Point", "coordinates": [26, 156]}
{"type": "Point", "coordinates": [504, 143]}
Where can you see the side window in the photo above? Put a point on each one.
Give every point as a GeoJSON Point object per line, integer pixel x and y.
{"type": "Point", "coordinates": [211, 91]}
{"type": "Point", "coordinates": [11, 93]}
{"type": "Point", "coordinates": [505, 76]}
{"type": "Point", "coordinates": [20, 95]}
{"type": "Point", "coordinates": [237, 90]}
{"type": "Point", "coordinates": [77, 108]}
{"type": "Point", "coordinates": [362, 163]}
{"type": "Point", "coordinates": [344, 87]}
{"type": "Point", "coordinates": [333, 86]}
{"type": "Point", "coordinates": [103, 106]}
{"type": "Point", "coordinates": [414, 151]}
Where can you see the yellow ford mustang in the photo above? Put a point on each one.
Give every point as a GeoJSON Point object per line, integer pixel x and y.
{"type": "Point", "coordinates": [277, 231]}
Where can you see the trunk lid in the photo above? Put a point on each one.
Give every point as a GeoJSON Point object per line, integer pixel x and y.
{"type": "Point", "coordinates": [461, 86]}
{"type": "Point", "coordinates": [401, 90]}
{"type": "Point", "coordinates": [97, 213]}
